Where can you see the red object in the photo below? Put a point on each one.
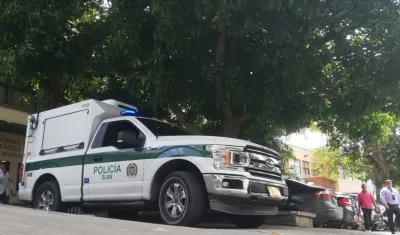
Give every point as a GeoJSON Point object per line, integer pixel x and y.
{"type": "Point", "coordinates": [21, 172]}
{"type": "Point", "coordinates": [365, 200]}
{"type": "Point", "coordinates": [323, 194]}
{"type": "Point", "coordinates": [344, 201]}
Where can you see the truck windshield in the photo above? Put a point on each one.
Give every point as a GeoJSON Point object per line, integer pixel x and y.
{"type": "Point", "coordinates": [161, 128]}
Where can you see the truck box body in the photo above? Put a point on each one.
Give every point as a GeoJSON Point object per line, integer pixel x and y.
{"type": "Point", "coordinates": [63, 133]}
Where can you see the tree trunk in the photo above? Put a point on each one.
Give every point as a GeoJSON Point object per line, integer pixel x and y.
{"type": "Point", "coordinates": [52, 92]}
{"type": "Point", "coordinates": [52, 98]}
{"type": "Point", "coordinates": [231, 127]}
{"type": "Point", "coordinates": [182, 117]}
{"type": "Point", "coordinates": [381, 170]}
{"type": "Point", "coordinates": [378, 188]}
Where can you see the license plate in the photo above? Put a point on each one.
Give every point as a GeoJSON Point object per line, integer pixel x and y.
{"type": "Point", "coordinates": [274, 192]}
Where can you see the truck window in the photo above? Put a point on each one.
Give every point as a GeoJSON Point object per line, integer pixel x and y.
{"type": "Point", "coordinates": [160, 128]}
{"type": "Point", "coordinates": [108, 134]}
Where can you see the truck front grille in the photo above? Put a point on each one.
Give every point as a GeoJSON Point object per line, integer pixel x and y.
{"type": "Point", "coordinates": [264, 163]}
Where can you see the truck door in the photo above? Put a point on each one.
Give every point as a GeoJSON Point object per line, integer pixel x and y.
{"type": "Point", "coordinates": [113, 169]}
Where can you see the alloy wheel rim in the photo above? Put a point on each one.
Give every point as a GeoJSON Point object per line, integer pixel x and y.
{"type": "Point", "coordinates": [175, 200]}
{"type": "Point", "coordinates": [46, 201]}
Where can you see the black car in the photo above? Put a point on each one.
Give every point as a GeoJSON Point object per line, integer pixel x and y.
{"type": "Point", "coordinates": [350, 219]}
{"type": "Point", "coordinates": [312, 199]}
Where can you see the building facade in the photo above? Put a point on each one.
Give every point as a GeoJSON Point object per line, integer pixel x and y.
{"type": "Point", "coordinates": [302, 168]}
{"type": "Point", "coordinates": [14, 108]}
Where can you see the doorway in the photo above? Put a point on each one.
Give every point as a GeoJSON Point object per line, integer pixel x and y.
{"type": "Point", "coordinates": [6, 164]}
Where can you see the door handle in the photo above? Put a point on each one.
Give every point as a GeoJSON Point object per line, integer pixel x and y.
{"type": "Point", "coordinates": [98, 159]}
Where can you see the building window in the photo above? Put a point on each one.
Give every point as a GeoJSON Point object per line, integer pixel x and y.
{"type": "Point", "coordinates": [306, 168]}
{"type": "Point", "coordinates": [17, 99]}
{"type": "Point", "coordinates": [295, 167]}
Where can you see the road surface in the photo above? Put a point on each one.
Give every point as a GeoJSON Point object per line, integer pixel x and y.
{"type": "Point", "coordinates": [23, 221]}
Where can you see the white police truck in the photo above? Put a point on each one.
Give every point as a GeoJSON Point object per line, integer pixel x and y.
{"type": "Point", "coordinates": [103, 154]}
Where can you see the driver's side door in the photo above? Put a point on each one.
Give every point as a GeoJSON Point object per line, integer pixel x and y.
{"type": "Point", "coordinates": [114, 172]}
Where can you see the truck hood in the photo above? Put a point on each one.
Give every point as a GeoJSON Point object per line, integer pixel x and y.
{"type": "Point", "coordinates": [201, 139]}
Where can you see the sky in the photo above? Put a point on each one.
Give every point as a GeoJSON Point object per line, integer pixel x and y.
{"type": "Point", "coordinates": [308, 140]}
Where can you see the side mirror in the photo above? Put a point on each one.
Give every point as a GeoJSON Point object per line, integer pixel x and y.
{"type": "Point", "coordinates": [128, 139]}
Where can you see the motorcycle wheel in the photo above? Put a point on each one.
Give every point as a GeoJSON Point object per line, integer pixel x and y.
{"type": "Point", "coordinates": [380, 226]}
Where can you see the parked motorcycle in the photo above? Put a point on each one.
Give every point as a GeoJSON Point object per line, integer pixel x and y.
{"type": "Point", "coordinates": [379, 220]}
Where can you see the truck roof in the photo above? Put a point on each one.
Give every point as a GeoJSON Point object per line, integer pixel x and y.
{"type": "Point", "coordinates": [70, 127]}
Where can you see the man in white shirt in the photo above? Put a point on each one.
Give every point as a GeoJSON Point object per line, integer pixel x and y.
{"type": "Point", "coordinates": [7, 192]}
{"type": "Point", "coordinates": [5, 184]}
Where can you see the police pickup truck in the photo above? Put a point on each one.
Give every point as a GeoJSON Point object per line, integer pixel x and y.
{"type": "Point", "coordinates": [103, 154]}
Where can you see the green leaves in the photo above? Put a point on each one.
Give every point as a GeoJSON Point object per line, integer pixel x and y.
{"type": "Point", "coordinates": [335, 163]}
{"type": "Point", "coordinates": [283, 63]}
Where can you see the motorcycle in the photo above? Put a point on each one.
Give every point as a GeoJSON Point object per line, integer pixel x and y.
{"type": "Point", "coordinates": [379, 220]}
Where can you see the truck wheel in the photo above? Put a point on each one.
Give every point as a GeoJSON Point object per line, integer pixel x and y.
{"type": "Point", "coordinates": [48, 197]}
{"type": "Point", "coordinates": [248, 221]}
{"type": "Point", "coordinates": [182, 199]}
{"type": "Point", "coordinates": [122, 214]}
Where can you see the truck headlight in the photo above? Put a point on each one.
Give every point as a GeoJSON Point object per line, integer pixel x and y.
{"type": "Point", "coordinates": [229, 157]}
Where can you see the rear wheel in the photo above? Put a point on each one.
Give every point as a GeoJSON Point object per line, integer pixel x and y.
{"type": "Point", "coordinates": [380, 226]}
{"type": "Point", "coordinates": [248, 221]}
{"type": "Point", "coordinates": [182, 199]}
{"type": "Point", "coordinates": [48, 197]}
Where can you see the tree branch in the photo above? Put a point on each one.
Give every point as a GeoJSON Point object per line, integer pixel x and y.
{"type": "Point", "coordinates": [244, 117]}
{"type": "Point", "coordinates": [182, 117]}
{"type": "Point", "coordinates": [332, 35]}
{"type": "Point", "coordinates": [219, 52]}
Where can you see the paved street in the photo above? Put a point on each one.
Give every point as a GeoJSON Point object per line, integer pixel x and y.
{"type": "Point", "coordinates": [22, 221]}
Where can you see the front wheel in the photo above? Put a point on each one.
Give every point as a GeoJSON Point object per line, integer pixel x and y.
{"type": "Point", "coordinates": [248, 221]}
{"type": "Point", "coordinates": [182, 199]}
{"type": "Point", "coordinates": [48, 197]}
{"type": "Point", "coordinates": [380, 226]}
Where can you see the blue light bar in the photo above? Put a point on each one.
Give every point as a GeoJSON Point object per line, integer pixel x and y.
{"type": "Point", "coordinates": [128, 112]}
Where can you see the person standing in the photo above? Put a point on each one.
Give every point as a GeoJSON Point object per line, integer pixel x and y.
{"type": "Point", "coordinates": [366, 203]}
{"type": "Point", "coordinates": [3, 182]}
{"type": "Point", "coordinates": [7, 187]}
{"type": "Point", "coordinates": [390, 198]}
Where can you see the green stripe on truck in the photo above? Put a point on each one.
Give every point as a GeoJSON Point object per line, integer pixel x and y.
{"type": "Point", "coordinates": [118, 156]}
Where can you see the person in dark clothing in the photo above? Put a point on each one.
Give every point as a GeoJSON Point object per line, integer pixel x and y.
{"type": "Point", "coordinates": [365, 204]}
{"type": "Point", "coordinates": [390, 198]}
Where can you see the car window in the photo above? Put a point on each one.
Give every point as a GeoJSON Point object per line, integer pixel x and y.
{"type": "Point", "coordinates": [159, 128]}
{"type": "Point", "coordinates": [108, 133]}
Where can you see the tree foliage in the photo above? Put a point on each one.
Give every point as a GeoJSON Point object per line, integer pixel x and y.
{"type": "Point", "coordinates": [369, 148]}
{"type": "Point", "coordinates": [239, 68]}
{"type": "Point", "coordinates": [264, 65]}
{"type": "Point", "coordinates": [335, 163]}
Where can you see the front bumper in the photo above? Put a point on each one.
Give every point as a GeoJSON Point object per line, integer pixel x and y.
{"type": "Point", "coordinates": [243, 196]}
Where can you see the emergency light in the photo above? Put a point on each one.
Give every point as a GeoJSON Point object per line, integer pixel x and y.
{"type": "Point", "coordinates": [128, 112]}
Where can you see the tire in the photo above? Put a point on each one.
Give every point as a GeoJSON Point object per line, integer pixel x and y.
{"type": "Point", "coordinates": [122, 214]}
{"type": "Point", "coordinates": [51, 192]}
{"type": "Point", "coordinates": [190, 208]}
{"type": "Point", "coordinates": [248, 221]}
{"type": "Point", "coordinates": [380, 227]}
